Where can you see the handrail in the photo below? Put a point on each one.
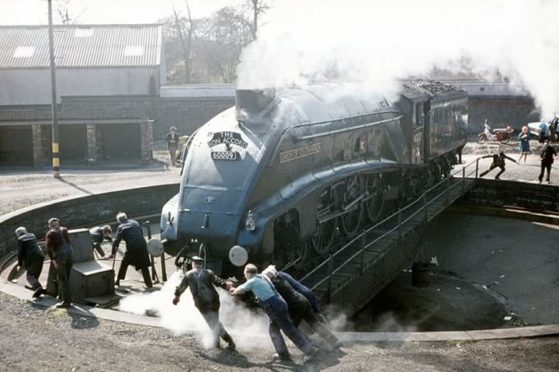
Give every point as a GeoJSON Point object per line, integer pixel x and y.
{"type": "Point", "coordinates": [448, 185]}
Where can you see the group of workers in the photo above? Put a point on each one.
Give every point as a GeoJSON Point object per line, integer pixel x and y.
{"type": "Point", "coordinates": [285, 301]}
{"type": "Point", "coordinates": [31, 257]}
{"type": "Point", "coordinates": [59, 250]}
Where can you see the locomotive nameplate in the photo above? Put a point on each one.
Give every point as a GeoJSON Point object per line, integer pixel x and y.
{"type": "Point", "coordinates": [228, 138]}
{"type": "Point", "coordinates": [225, 155]}
{"type": "Point", "coordinates": [299, 153]}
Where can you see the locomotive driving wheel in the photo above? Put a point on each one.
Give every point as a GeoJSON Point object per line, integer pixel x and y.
{"type": "Point", "coordinates": [350, 222]}
{"type": "Point", "coordinates": [375, 202]}
{"type": "Point", "coordinates": [323, 237]}
{"type": "Point", "coordinates": [290, 250]}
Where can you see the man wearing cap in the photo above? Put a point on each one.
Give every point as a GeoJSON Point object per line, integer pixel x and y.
{"type": "Point", "coordinates": [136, 254]}
{"type": "Point", "coordinates": [98, 234]}
{"type": "Point", "coordinates": [201, 282]}
{"type": "Point", "coordinates": [60, 253]}
{"type": "Point", "coordinates": [31, 256]}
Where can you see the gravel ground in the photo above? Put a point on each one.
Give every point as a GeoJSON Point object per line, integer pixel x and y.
{"type": "Point", "coordinates": [35, 338]}
{"type": "Point", "coordinates": [39, 339]}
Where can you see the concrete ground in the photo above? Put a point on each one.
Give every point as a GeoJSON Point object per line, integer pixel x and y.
{"type": "Point", "coordinates": [524, 172]}
{"type": "Point", "coordinates": [490, 272]}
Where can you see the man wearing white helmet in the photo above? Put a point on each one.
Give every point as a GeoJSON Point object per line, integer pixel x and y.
{"type": "Point", "coordinates": [31, 257]}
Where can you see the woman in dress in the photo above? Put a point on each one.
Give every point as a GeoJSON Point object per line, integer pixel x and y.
{"type": "Point", "coordinates": [524, 139]}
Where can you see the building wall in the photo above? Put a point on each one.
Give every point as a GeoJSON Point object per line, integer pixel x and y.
{"type": "Point", "coordinates": [33, 87]}
{"type": "Point", "coordinates": [500, 112]}
{"type": "Point", "coordinates": [189, 113]}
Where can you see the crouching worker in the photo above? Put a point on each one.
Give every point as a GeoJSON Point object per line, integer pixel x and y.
{"type": "Point", "coordinates": [31, 257]}
{"type": "Point", "coordinates": [206, 299]}
{"type": "Point", "coordinates": [299, 307]}
{"type": "Point", "coordinates": [98, 234]}
{"type": "Point", "coordinates": [276, 309]}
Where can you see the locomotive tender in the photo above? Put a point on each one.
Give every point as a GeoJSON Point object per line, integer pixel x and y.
{"type": "Point", "coordinates": [284, 174]}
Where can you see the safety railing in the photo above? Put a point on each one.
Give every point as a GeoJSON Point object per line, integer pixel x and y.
{"type": "Point", "coordinates": [354, 252]}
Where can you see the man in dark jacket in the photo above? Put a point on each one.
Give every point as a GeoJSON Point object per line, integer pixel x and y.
{"type": "Point", "coordinates": [275, 306]}
{"type": "Point", "coordinates": [547, 154]}
{"type": "Point", "coordinates": [201, 282]}
{"type": "Point", "coordinates": [98, 234]}
{"type": "Point", "coordinates": [498, 162]}
{"type": "Point", "coordinates": [299, 307]}
{"type": "Point", "coordinates": [60, 252]}
{"type": "Point", "coordinates": [136, 248]}
{"type": "Point", "coordinates": [31, 256]}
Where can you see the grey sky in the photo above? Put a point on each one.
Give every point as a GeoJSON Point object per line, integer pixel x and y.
{"type": "Point", "coordinates": [18, 12]}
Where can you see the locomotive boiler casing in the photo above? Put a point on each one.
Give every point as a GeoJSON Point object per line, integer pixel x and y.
{"type": "Point", "coordinates": [255, 176]}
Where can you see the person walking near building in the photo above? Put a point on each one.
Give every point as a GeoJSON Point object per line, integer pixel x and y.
{"type": "Point", "coordinates": [547, 154]}
{"type": "Point", "coordinates": [172, 143]}
{"type": "Point", "coordinates": [136, 254]}
{"type": "Point", "coordinates": [31, 257]}
{"type": "Point", "coordinates": [276, 308]}
{"type": "Point", "coordinates": [206, 299]}
{"type": "Point", "coordinates": [498, 162]}
{"type": "Point", "coordinates": [60, 252]}
{"type": "Point", "coordinates": [524, 140]}
{"type": "Point", "coordinates": [98, 235]}
{"type": "Point", "coordinates": [299, 307]}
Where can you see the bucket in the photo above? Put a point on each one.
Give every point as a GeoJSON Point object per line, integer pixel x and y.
{"type": "Point", "coordinates": [421, 274]}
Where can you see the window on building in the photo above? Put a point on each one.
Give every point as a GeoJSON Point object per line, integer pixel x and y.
{"type": "Point", "coordinates": [24, 52]}
{"type": "Point", "coordinates": [134, 50]}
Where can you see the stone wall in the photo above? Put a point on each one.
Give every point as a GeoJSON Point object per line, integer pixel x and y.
{"type": "Point", "coordinates": [82, 212]}
{"type": "Point", "coordinates": [529, 196]}
{"type": "Point", "coordinates": [186, 114]}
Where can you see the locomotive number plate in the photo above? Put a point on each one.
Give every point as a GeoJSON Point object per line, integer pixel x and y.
{"type": "Point", "coordinates": [225, 155]}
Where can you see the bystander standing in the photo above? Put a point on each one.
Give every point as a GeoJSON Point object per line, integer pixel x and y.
{"type": "Point", "coordinates": [60, 252]}
{"type": "Point", "coordinates": [547, 155]}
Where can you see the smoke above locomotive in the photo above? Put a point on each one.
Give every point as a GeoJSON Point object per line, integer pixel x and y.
{"type": "Point", "coordinates": [285, 174]}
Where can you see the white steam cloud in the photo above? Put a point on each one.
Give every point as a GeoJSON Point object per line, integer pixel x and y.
{"type": "Point", "coordinates": [379, 41]}
{"type": "Point", "coordinates": [248, 329]}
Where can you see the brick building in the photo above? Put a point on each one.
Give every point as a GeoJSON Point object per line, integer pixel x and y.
{"type": "Point", "coordinates": [108, 79]}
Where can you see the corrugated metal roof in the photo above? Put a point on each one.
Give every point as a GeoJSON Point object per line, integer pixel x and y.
{"type": "Point", "coordinates": [81, 46]}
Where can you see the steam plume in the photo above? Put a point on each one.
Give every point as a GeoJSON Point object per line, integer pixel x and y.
{"type": "Point", "coordinates": [378, 41]}
{"type": "Point", "coordinates": [249, 329]}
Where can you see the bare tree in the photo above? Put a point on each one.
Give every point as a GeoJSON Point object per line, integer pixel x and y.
{"type": "Point", "coordinates": [208, 49]}
{"type": "Point", "coordinates": [258, 7]}
{"type": "Point", "coordinates": [185, 26]}
{"type": "Point", "coordinates": [63, 10]}
{"type": "Point", "coordinates": [227, 32]}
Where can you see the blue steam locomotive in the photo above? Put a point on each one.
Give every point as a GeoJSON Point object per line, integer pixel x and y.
{"type": "Point", "coordinates": [284, 175]}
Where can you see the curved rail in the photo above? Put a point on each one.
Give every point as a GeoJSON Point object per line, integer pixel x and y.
{"type": "Point", "coordinates": [403, 216]}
